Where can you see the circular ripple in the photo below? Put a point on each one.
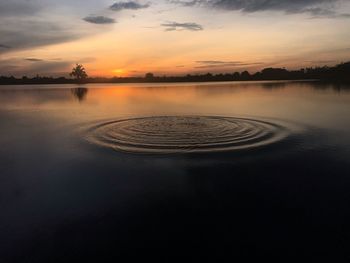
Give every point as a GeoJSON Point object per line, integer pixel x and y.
{"type": "Point", "coordinates": [175, 134]}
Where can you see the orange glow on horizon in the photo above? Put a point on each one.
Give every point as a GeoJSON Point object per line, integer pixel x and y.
{"type": "Point", "coordinates": [119, 72]}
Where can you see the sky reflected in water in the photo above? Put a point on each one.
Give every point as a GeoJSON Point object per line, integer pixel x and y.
{"type": "Point", "coordinates": [62, 194]}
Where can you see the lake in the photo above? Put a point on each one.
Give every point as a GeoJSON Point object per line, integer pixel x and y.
{"type": "Point", "coordinates": [245, 171]}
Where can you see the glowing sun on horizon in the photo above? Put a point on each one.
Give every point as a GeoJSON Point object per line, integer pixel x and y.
{"type": "Point", "coordinates": [120, 72]}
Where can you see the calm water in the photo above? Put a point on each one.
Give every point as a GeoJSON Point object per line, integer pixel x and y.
{"type": "Point", "coordinates": [219, 171]}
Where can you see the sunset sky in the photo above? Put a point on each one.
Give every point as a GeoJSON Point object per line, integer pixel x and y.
{"type": "Point", "coordinates": [130, 38]}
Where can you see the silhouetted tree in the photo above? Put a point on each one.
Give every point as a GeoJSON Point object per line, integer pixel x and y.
{"type": "Point", "coordinates": [79, 73]}
{"type": "Point", "coordinates": [236, 76]}
{"type": "Point", "coordinates": [149, 76]}
{"type": "Point", "coordinates": [245, 75]}
{"type": "Point", "coordinates": [274, 73]}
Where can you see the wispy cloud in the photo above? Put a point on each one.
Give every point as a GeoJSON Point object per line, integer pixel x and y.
{"type": "Point", "coordinates": [130, 5]}
{"type": "Point", "coordinates": [318, 62]}
{"type": "Point", "coordinates": [34, 66]}
{"type": "Point", "coordinates": [19, 7]}
{"type": "Point", "coordinates": [316, 8]}
{"type": "Point", "coordinates": [185, 3]}
{"type": "Point", "coordinates": [33, 59]}
{"type": "Point", "coordinates": [4, 46]}
{"type": "Point", "coordinates": [174, 26]}
{"type": "Point", "coordinates": [33, 32]}
{"type": "Point", "coordinates": [223, 64]}
{"type": "Point", "coordinates": [101, 20]}
{"type": "Point", "coordinates": [28, 24]}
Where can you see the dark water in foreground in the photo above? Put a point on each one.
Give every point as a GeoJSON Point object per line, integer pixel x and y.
{"type": "Point", "coordinates": [203, 172]}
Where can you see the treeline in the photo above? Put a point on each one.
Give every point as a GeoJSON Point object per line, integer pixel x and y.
{"type": "Point", "coordinates": [339, 73]}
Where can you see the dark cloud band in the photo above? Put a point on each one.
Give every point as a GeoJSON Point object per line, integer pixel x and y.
{"type": "Point", "coordinates": [33, 59]}
{"type": "Point", "coordinates": [19, 34]}
{"type": "Point", "coordinates": [173, 26]}
{"type": "Point", "coordinates": [223, 64]}
{"type": "Point", "coordinates": [99, 20]}
{"type": "Point", "coordinates": [4, 46]}
{"type": "Point", "coordinates": [319, 8]}
{"type": "Point", "coordinates": [130, 5]}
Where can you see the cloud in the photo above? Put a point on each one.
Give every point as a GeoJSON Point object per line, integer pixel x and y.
{"type": "Point", "coordinates": [56, 67]}
{"type": "Point", "coordinates": [33, 32]}
{"type": "Point", "coordinates": [224, 64]}
{"type": "Point", "coordinates": [262, 5]}
{"type": "Point", "coordinates": [101, 20]}
{"type": "Point", "coordinates": [130, 5]}
{"type": "Point", "coordinates": [4, 46]}
{"type": "Point", "coordinates": [33, 59]}
{"type": "Point", "coordinates": [18, 67]}
{"type": "Point", "coordinates": [185, 3]}
{"type": "Point", "coordinates": [50, 68]}
{"type": "Point", "coordinates": [18, 7]}
{"type": "Point", "coordinates": [318, 8]}
{"type": "Point", "coordinates": [318, 62]}
{"type": "Point", "coordinates": [28, 24]}
{"type": "Point", "coordinates": [175, 26]}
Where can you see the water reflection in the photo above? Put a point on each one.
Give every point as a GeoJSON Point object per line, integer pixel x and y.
{"type": "Point", "coordinates": [274, 85]}
{"type": "Point", "coordinates": [80, 93]}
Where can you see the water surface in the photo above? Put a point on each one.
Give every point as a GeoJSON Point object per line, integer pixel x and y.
{"type": "Point", "coordinates": [208, 171]}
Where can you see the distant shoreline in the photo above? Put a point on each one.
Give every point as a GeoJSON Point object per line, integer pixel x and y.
{"type": "Point", "coordinates": [338, 73]}
{"type": "Point", "coordinates": [341, 81]}
{"type": "Point", "coordinates": [168, 82]}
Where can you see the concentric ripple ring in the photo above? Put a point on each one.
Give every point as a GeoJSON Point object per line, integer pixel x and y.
{"type": "Point", "coordinates": [182, 134]}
